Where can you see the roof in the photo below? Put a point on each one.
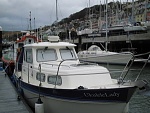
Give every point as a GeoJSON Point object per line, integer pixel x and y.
{"type": "Point", "coordinates": [24, 38]}
{"type": "Point", "coordinates": [49, 44]}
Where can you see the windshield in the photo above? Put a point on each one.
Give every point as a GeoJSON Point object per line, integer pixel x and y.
{"type": "Point", "coordinates": [67, 54]}
{"type": "Point", "coordinates": [46, 55]}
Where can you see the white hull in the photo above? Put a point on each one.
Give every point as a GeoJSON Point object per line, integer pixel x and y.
{"type": "Point", "coordinates": [107, 58]}
{"type": "Point", "coordinates": [115, 28]}
{"type": "Point", "coordinates": [53, 105]}
{"type": "Point", "coordinates": [135, 28]}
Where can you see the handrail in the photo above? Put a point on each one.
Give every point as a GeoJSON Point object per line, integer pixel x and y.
{"type": "Point", "coordinates": [58, 72]}
{"type": "Point", "coordinates": [142, 68]}
{"type": "Point", "coordinates": [130, 65]}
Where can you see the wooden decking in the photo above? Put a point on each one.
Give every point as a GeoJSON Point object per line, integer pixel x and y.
{"type": "Point", "coordinates": [8, 97]}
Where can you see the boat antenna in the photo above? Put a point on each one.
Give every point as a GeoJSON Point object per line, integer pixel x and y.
{"type": "Point", "coordinates": [34, 24]}
{"type": "Point", "coordinates": [35, 31]}
{"type": "Point", "coordinates": [30, 22]}
{"type": "Point", "coordinates": [40, 80]}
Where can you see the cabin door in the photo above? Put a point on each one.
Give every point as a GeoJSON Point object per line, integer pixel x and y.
{"type": "Point", "coordinates": [28, 66]}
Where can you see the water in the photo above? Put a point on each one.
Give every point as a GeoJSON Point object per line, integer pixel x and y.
{"type": "Point", "coordinates": [140, 101]}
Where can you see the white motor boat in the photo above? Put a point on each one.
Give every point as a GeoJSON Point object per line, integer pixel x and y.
{"type": "Point", "coordinates": [113, 29]}
{"type": "Point", "coordinates": [95, 54]}
{"type": "Point", "coordinates": [52, 72]}
{"type": "Point", "coordinates": [134, 28]}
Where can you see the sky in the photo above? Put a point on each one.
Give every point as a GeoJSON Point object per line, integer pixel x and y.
{"type": "Point", "coordinates": [15, 14]}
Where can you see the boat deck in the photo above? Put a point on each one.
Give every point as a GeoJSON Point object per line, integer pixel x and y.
{"type": "Point", "coordinates": [8, 97]}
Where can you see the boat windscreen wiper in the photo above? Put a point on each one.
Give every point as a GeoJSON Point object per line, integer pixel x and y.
{"type": "Point", "coordinates": [70, 50]}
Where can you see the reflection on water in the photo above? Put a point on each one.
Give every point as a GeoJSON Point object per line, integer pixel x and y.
{"type": "Point", "coordinates": [140, 102]}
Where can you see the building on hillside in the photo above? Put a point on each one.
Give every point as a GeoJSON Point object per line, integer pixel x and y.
{"type": "Point", "coordinates": [140, 16]}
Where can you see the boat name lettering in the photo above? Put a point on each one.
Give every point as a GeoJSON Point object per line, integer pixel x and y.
{"type": "Point", "coordinates": [114, 94]}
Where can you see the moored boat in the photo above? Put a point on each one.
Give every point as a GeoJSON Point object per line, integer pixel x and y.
{"type": "Point", "coordinates": [135, 28]}
{"type": "Point", "coordinates": [94, 54]}
{"type": "Point", "coordinates": [10, 55]}
{"type": "Point", "coordinates": [8, 62]}
{"type": "Point", "coordinates": [52, 71]}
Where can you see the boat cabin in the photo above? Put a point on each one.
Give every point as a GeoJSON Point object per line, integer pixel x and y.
{"type": "Point", "coordinates": [27, 39]}
{"type": "Point", "coordinates": [56, 63]}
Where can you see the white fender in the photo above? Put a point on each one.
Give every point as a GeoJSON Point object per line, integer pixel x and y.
{"type": "Point", "coordinates": [39, 106]}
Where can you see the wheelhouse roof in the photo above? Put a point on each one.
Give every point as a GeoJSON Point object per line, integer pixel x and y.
{"type": "Point", "coordinates": [25, 37]}
{"type": "Point", "coordinates": [49, 44]}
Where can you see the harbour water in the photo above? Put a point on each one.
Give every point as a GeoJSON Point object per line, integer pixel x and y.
{"type": "Point", "coordinates": [140, 102]}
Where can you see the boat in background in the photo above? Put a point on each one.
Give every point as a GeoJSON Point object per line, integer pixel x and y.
{"type": "Point", "coordinates": [116, 29]}
{"type": "Point", "coordinates": [96, 55]}
{"type": "Point", "coordinates": [8, 61]}
{"type": "Point", "coordinates": [10, 55]}
{"type": "Point", "coordinates": [135, 28]}
{"type": "Point", "coordinates": [51, 72]}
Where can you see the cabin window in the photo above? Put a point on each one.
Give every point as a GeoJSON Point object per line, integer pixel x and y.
{"type": "Point", "coordinates": [20, 45]}
{"type": "Point", "coordinates": [67, 54]}
{"type": "Point", "coordinates": [40, 77]}
{"type": "Point", "coordinates": [55, 80]}
{"type": "Point", "coordinates": [46, 55]}
{"type": "Point", "coordinates": [29, 41]}
{"type": "Point", "coordinates": [28, 56]}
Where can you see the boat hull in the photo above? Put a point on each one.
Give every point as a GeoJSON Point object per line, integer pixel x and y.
{"type": "Point", "coordinates": [135, 28]}
{"type": "Point", "coordinates": [53, 105]}
{"type": "Point", "coordinates": [121, 59]}
{"type": "Point", "coordinates": [79, 100]}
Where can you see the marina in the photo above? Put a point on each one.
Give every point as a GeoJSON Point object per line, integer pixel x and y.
{"type": "Point", "coordinates": [96, 63]}
{"type": "Point", "coordinates": [60, 79]}
{"type": "Point", "coordinates": [138, 43]}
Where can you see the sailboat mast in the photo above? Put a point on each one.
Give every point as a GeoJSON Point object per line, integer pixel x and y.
{"type": "Point", "coordinates": [90, 14]}
{"type": "Point", "coordinates": [145, 10]}
{"type": "Point", "coordinates": [106, 43]}
{"type": "Point", "coordinates": [100, 16]}
{"type": "Point", "coordinates": [56, 12]}
{"type": "Point", "coordinates": [132, 11]}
